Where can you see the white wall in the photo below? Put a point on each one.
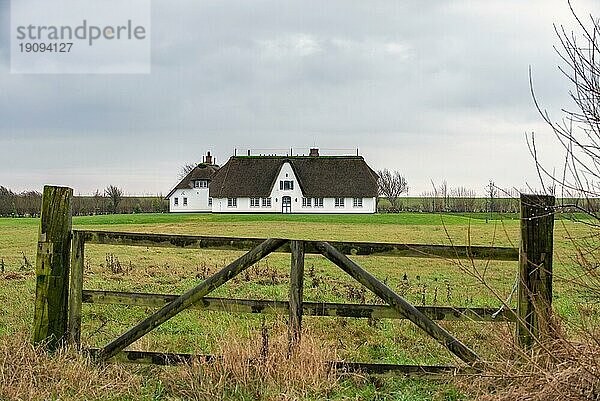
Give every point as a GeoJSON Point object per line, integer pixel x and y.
{"type": "Point", "coordinates": [286, 174]}
{"type": "Point", "coordinates": [243, 206]}
{"type": "Point", "coordinates": [368, 206]}
{"type": "Point", "coordinates": [197, 200]}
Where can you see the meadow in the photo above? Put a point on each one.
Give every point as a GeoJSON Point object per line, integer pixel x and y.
{"type": "Point", "coordinates": [422, 281]}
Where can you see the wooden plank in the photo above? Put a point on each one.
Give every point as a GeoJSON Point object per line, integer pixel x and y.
{"type": "Point", "coordinates": [347, 248]}
{"type": "Point", "coordinates": [404, 370]}
{"type": "Point", "coordinates": [399, 303]}
{"type": "Point", "coordinates": [170, 240]}
{"type": "Point", "coordinates": [308, 308]}
{"type": "Point", "coordinates": [421, 250]}
{"type": "Point", "coordinates": [169, 358]}
{"type": "Point", "coordinates": [154, 358]}
{"type": "Point", "coordinates": [190, 297]}
{"type": "Point", "coordinates": [76, 289]}
{"type": "Point", "coordinates": [296, 290]}
{"type": "Point", "coordinates": [52, 267]}
{"type": "Point", "coordinates": [535, 269]}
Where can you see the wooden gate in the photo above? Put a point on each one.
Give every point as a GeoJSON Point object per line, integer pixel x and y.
{"type": "Point", "coordinates": [59, 297]}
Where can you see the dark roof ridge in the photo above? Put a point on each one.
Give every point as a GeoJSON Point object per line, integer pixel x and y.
{"type": "Point", "coordinates": [296, 157]}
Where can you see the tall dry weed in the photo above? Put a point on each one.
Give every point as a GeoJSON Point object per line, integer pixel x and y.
{"type": "Point", "coordinates": [27, 372]}
{"type": "Point", "coordinates": [259, 368]}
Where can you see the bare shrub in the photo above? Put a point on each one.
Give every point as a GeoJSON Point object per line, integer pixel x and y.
{"type": "Point", "coordinates": [559, 370]}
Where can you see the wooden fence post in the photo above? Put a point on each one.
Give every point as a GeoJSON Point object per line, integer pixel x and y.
{"type": "Point", "coordinates": [534, 307]}
{"type": "Point", "coordinates": [296, 290]}
{"type": "Point", "coordinates": [76, 288]}
{"type": "Point", "coordinates": [52, 267]}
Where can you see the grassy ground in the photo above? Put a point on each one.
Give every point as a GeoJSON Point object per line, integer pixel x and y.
{"type": "Point", "coordinates": [428, 281]}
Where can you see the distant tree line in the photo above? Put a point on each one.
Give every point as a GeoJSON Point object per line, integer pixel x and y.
{"type": "Point", "coordinates": [442, 198]}
{"type": "Point", "coordinates": [109, 201]}
{"type": "Point", "coordinates": [26, 203]}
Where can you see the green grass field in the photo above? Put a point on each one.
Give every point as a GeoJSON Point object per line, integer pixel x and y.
{"type": "Point", "coordinates": [428, 281]}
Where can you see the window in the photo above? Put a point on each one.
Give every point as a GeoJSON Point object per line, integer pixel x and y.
{"type": "Point", "coordinates": [184, 201]}
{"type": "Point", "coordinates": [286, 185]}
{"type": "Point", "coordinates": [339, 202]}
{"type": "Point", "coordinates": [176, 203]}
{"type": "Point", "coordinates": [209, 201]}
{"type": "Point", "coordinates": [266, 202]}
{"type": "Point", "coordinates": [254, 202]}
{"type": "Point", "coordinates": [306, 202]}
{"type": "Point", "coordinates": [201, 184]}
{"type": "Point", "coordinates": [231, 202]}
{"type": "Point", "coordinates": [318, 202]}
{"type": "Point", "coordinates": [357, 202]}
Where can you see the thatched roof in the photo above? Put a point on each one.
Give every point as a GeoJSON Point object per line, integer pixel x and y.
{"type": "Point", "coordinates": [201, 172]}
{"type": "Point", "coordinates": [318, 176]}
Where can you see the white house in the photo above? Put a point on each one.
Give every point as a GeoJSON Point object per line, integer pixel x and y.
{"type": "Point", "coordinates": [294, 184]}
{"type": "Point", "coordinates": [191, 194]}
{"type": "Point", "coordinates": [279, 184]}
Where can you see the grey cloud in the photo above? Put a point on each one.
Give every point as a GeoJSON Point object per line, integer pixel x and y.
{"type": "Point", "coordinates": [403, 81]}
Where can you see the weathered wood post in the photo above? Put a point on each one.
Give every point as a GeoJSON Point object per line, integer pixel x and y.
{"type": "Point", "coordinates": [534, 307]}
{"type": "Point", "coordinates": [76, 288]}
{"type": "Point", "coordinates": [296, 291]}
{"type": "Point", "coordinates": [52, 267]}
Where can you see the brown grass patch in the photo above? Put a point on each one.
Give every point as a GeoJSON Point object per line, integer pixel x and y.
{"type": "Point", "coordinates": [260, 368]}
{"type": "Point", "coordinates": [29, 373]}
{"type": "Point", "coordinates": [558, 370]}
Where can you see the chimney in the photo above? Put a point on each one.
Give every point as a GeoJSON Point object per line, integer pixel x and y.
{"type": "Point", "coordinates": [314, 152]}
{"type": "Point", "coordinates": [208, 158]}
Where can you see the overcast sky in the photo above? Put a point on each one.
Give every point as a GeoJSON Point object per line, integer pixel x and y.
{"type": "Point", "coordinates": [437, 90]}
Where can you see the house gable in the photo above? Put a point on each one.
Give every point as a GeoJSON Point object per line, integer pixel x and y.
{"type": "Point", "coordinates": [279, 189]}
{"type": "Point", "coordinates": [202, 171]}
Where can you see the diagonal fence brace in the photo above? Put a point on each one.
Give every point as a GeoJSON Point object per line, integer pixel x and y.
{"type": "Point", "coordinates": [398, 303]}
{"type": "Point", "coordinates": [190, 297]}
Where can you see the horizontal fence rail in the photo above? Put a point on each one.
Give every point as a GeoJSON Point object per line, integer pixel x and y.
{"type": "Point", "coordinates": [347, 248]}
{"type": "Point", "coordinates": [171, 358]}
{"type": "Point", "coordinates": [308, 308]}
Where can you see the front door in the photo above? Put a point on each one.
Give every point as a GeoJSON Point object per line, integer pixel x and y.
{"type": "Point", "coordinates": [286, 204]}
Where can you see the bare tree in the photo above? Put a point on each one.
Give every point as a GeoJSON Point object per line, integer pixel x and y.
{"type": "Point", "coordinates": [7, 201]}
{"type": "Point", "coordinates": [441, 196]}
{"type": "Point", "coordinates": [186, 169]}
{"type": "Point", "coordinates": [491, 194]}
{"type": "Point", "coordinates": [392, 184]}
{"type": "Point", "coordinates": [578, 129]}
{"type": "Point", "coordinates": [462, 199]}
{"type": "Point", "coordinates": [115, 196]}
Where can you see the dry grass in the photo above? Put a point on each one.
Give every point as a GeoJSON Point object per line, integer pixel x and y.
{"type": "Point", "coordinates": [562, 370]}
{"type": "Point", "coordinates": [29, 373]}
{"type": "Point", "coordinates": [258, 369]}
